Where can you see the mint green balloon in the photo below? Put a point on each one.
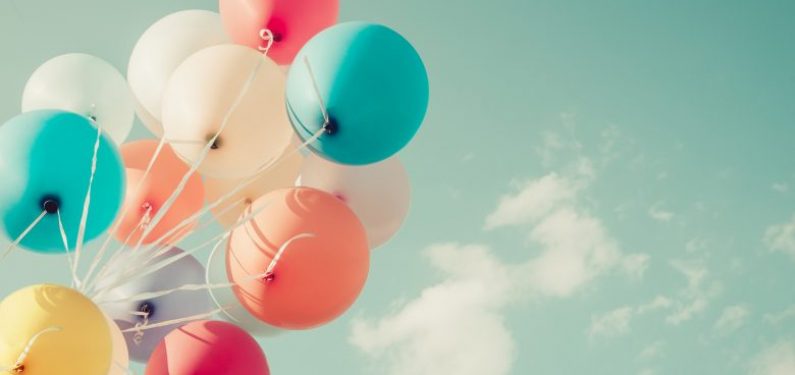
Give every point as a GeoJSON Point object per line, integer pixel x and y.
{"type": "Point", "coordinates": [45, 162]}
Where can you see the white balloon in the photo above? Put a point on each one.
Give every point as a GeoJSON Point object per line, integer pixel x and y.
{"type": "Point", "coordinates": [160, 50]}
{"type": "Point", "coordinates": [379, 193]}
{"type": "Point", "coordinates": [120, 358]}
{"type": "Point", "coordinates": [86, 85]}
{"type": "Point", "coordinates": [233, 312]}
{"type": "Point", "coordinates": [237, 93]}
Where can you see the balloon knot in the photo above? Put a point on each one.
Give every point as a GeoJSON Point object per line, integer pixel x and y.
{"type": "Point", "coordinates": [331, 127]}
{"type": "Point", "coordinates": [18, 369]}
{"type": "Point", "coordinates": [50, 205]}
{"type": "Point", "coordinates": [269, 276]}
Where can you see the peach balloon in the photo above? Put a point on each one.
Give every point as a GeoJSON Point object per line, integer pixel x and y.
{"type": "Point", "coordinates": [281, 176]}
{"type": "Point", "coordinates": [153, 190]}
{"type": "Point", "coordinates": [315, 251]}
{"type": "Point", "coordinates": [291, 22]}
{"type": "Point", "coordinates": [208, 348]}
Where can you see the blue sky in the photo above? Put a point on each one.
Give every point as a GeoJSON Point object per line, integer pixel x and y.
{"type": "Point", "coordinates": [599, 187]}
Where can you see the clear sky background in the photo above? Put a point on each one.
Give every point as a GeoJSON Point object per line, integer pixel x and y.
{"type": "Point", "coordinates": [599, 187]}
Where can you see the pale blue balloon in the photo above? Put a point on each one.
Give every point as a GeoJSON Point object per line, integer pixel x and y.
{"type": "Point", "coordinates": [46, 157]}
{"type": "Point", "coordinates": [374, 86]}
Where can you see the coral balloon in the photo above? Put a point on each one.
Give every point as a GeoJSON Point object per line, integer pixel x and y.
{"type": "Point", "coordinates": [225, 298]}
{"type": "Point", "coordinates": [374, 87]}
{"type": "Point", "coordinates": [146, 194]}
{"type": "Point", "coordinates": [378, 193]}
{"type": "Point", "coordinates": [119, 301]}
{"type": "Point", "coordinates": [281, 176]}
{"type": "Point", "coordinates": [291, 22]}
{"type": "Point", "coordinates": [160, 50]}
{"type": "Point", "coordinates": [68, 333]}
{"type": "Point", "coordinates": [208, 348]}
{"type": "Point", "coordinates": [314, 251]}
{"type": "Point", "coordinates": [120, 358]}
{"type": "Point", "coordinates": [234, 92]}
{"type": "Point", "coordinates": [45, 164]}
{"type": "Point", "coordinates": [86, 85]}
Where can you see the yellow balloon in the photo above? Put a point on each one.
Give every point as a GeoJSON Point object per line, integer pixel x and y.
{"type": "Point", "coordinates": [68, 332]}
{"type": "Point", "coordinates": [120, 359]}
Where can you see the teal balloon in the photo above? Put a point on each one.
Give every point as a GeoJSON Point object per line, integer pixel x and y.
{"type": "Point", "coordinates": [46, 156]}
{"type": "Point", "coordinates": [375, 88]}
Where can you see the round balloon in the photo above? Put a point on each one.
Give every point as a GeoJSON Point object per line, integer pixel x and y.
{"type": "Point", "coordinates": [281, 176]}
{"type": "Point", "coordinates": [236, 93]}
{"type": "Point", "coordinates": [45, 160]}
{"type": "Point", "coordinates": [66, 332]}
{"type": "Point", "coordinates": [313, 250]}
{"type": "Point", "coordinates": [374, 87]}
{"type": "Point", "coordinates": [225, 298]}
{"type": "Point", "coordinates": [291, 23]}
{"type": "Point", "coordinates": [146, 193]}
{"type": "Point", "coordinates": [208, 348]}
{"type": "Point", "coordinates": [378, 193]}
{"type": "Point", "coordinates": [120, 359]}
{"type": "Point", "coordinates": [160, 50]}
{"type": "Point", "coordinates": [119, 302]}
{"type": "Point", "coordinates": [86, 85]}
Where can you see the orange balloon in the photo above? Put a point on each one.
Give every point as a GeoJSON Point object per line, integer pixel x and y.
{"type": "Point", "coordinates": [153, 190]}
{"type": "Point", "coordinates": [323, 261]}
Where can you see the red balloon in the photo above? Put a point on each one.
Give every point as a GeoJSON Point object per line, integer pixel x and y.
{"type": "Point", "coordinates": [320, 252]}
{"type": "Point", "coordinates": [208, 348]}
{"type": "Point", "coordinates": [291, 22]}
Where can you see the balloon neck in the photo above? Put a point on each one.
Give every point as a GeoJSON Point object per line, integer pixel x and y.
{"type": "Point", "coordinates": [331, 127]}
{"type": "Point", "coordinates": [50, 204]}
{"type": "Point", "coordinates": [269, 276]}
{"type": "Point", "coordinates": [216, 143]}
{"type": "Point", "coordinates": [146, 308]}
{"type": "Point", "coordinates": [92, 118]}
{"type": "Point", "coordinates": [18, 369]}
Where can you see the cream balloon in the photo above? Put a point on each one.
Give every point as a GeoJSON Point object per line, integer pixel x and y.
{"type": "Point", "coordinates": [85, 85]}
{"type": "Point", "coordinates": [281, 176]}
{"type": "Point", "coordinates": [160, 50]}
{"type": "Point", "coordinates": [120, 358]}
{"type": "Point", "coordinates": [378, 193]}
{"type": "Point", "coordinates": [233, 311]}
{"type": "Point", "coordinates": [236, 93]}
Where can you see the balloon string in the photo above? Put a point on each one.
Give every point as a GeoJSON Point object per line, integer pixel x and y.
{"type": "Point", "coordinates": [181, 186]}
{"type": "Point", "coordinates": [316, 87]}
{"type": "Point", "coordinates": [267, 36]}
{"type": "Point", "coordinates": [75, 281]}
{"type": "Point", "coordinates": [19, 366]}
{"type": "Point", "coordinates": [177, 321]}
{"type": "Point", "coordinates": [22, 235]}
{"type": "Point", "coordinates": [101, 253]}
{"type": "Point", "coordinates": [141, 223]}
{"type": "Point", "coordinates": [81, 231]}
{"type": "Point", "coordinates": [269, 274]}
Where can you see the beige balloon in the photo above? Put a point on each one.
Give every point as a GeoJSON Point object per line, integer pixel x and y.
{"type": "Point", "coordinates": [235, 92]}
{"type": "Point", "coordinates": [120, 361]}
{"type": "Point", "coordinates": [281, 176]}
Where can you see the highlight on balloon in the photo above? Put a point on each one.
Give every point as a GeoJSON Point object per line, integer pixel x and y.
{"type": "Point", "coordinates": [246, 203]}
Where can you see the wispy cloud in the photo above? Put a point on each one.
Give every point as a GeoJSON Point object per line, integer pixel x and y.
{"type": "Point", "coordinates": [777, 359]}
{"type": "Point", "coordinates": [781, 237]}
{"type": "Point", "coordinates": [731, 319]}
{"type": "Point", "coordinates": [659, 213]}
{"type": "Point", "coordinates": [618, 321]}
{"type": "Point", "coordinates": [694, 298]}
{"type": "Point", "coordinates": [781, 316]}
{"type": "Point", "coordinates": [780, 187]}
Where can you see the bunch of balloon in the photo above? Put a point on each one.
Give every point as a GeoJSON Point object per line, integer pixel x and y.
{"type": "Point", "coordinates": [267, 116]}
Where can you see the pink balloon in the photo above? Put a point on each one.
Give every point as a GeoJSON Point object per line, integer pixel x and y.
{"type": "Point", "coordinates": [292, 23]}
{"type": "Point", "coordinates": [208, 348]}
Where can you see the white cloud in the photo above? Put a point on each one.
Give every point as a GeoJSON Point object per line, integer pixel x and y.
{"type": "Point", "coordinates": [618, 321]}
{"type": "Point", "coordinates": [533, 199]}
{"type": "Point", "coordinates": [732, 318]}
{"type": "Point", "coordinates": [652, 351]}
{"type": "Point", "coordinates": [695, 297]}
{"type": "Point", "coordinates": [780, 187]}
{"type": "Point", "coordinates": [454, 327]}
{"type": "Point", "coordinates": [781, 237]}
{"type": "Point", "coordinates": [657, 212]}
{"type": "Point", "coordinates": [613, 323]}
{"type": "Point", "coordinates": [782, 316]}
{"type": "Point", "coordinates": [635, 265]}
{"type": "Point", "coordinates": [777, 359]}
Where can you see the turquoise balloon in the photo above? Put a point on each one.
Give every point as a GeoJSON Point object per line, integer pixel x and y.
{"type": "Point", "coordinates": [374, 86]}
{"type": "Point", "coordinates": [45, 160]}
